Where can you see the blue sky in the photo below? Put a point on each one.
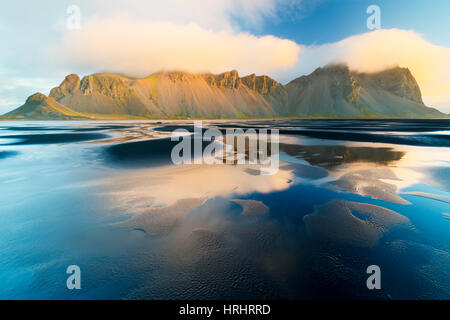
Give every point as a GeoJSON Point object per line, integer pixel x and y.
{"type": "Point", "coordinates": [317, 22]}
{"type": "Point", "coordinates": [282, 38]}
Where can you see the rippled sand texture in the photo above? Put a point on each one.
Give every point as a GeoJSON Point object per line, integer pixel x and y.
{"type": "Point", "coordinates": [352, 223]}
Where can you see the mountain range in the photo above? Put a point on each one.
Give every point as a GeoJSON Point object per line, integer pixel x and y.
{"type": "Point", "coordinates": [332, 91]}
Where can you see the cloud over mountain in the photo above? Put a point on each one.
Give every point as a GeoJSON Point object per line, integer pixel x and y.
{"type": "Point", "coordinates": [138, 48]}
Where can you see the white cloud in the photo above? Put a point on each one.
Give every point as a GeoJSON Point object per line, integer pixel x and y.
{"type": "Point", "coordinates": [139, 48]}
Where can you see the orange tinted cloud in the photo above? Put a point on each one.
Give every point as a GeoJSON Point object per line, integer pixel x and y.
{"type": "Point", "coordinates": [139, 48]}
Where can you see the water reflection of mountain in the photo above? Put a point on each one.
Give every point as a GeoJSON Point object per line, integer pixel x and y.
{"type": "Point", "coordinates": [329, 156]}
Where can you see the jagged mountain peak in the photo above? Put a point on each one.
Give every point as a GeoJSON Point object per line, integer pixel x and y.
{"type": "Point", "coordinates": [69, 85]}
{"type": "Point", "coordinates": [398, 81]}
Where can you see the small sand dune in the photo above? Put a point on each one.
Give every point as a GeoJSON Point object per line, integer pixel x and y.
{"type": "Point", "coordinates": [306, 172]}
{"type": "Point", "coordinates": [370, 183]}
{"type": "Point", "coordinates": [252, 207]}
{"type": "Point", "coordinates": [352, 223]}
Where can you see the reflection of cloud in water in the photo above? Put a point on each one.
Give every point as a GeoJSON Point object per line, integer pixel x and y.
{"type": "Point", "coordinates": [369, 183]}
{"type": "Point", "coordinates": [352, 223]}
{"type": "Point", "coordinates": [440, 177]}
{"type": "Point", "coordinates": [166, 185]}
{"type": "Point", "coordinates": [411, 164]}
{"type": "Point", "coordinates": [362, 170]}
{"type": "Point", "coordinates": [162, 220]}
{"type": "Point", "coordinates": [305, 171]}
